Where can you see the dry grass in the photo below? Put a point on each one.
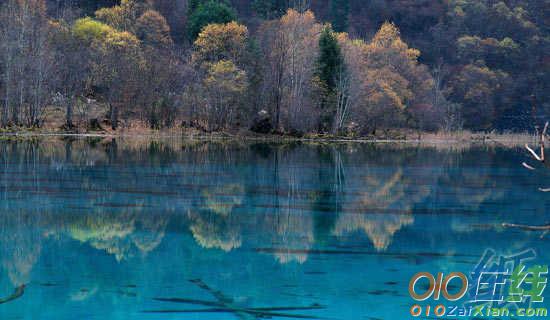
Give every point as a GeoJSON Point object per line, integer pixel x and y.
{"type": "Point", "coordinates": [55, 118]}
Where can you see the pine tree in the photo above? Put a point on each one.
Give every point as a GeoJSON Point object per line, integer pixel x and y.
{"type": "Point", "coordinates": [192, 5]}
{"type": "Point", "coordinates": [208, 12]}
{"type": "Point", "coordinates": [330, 57]}
{"type": "Point", "coordinates": [330, 66]}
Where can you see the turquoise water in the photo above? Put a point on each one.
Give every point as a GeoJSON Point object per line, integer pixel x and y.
{"type": "Point", "coordinates": [122, 229]}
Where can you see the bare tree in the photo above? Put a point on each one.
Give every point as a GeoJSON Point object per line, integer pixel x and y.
{"type": "Point", "coordinates": [8, 38]}
{"type": "Point", "coordinates": [343, 100]}
{"type": "Point", "coordinates": [26, 61]}
{"type": "Point", "coordinates": [542, 135]}
{"type": "Point", "coordinates": [290, 47]}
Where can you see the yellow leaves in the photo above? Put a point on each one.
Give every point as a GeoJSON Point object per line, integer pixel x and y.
{"type": "Point", "coordinates": [386, 36]}
{"type": "Point", "coordinates": [300, 29]}
{"type": "Point", "coordinates": [219, 30]}
{"type": "Point", "coordinates": [233, 196]}
{"type": "Point", "coordinates": [219, 50]}
{"type": "Point", "coordinates": [293, 17]}
{"type": "Point", "coordinates": [387, 88]}
{"type": "Point", "coordinates": [392, 70]}
{"type": "Point", "coordinates": [115, 16]}
{"type": "Point", "coordinates": [123, 16]}
{"type": "Point", "coordinates": [220, 41]}
{"type": "Point", "coordinates": [387, 49]}
{"type": "Point", "coordinates": [88, 29]}
{"type": "Point", "coordinates": [413, 54]}
{"type": "Point", "coordinates": [121, 39]}
{"type": "Point", "coordinates": [225, 77]}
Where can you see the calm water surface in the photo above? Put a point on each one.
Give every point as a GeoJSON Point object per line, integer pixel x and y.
{"type": "Point", "coordinates": [123, 229]}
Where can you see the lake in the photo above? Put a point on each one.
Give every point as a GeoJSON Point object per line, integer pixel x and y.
{"type": "Point", "coordinates": [105, 228]}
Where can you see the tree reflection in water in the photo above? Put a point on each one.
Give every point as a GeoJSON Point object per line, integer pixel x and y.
{"type": "Point", "coordinates": [123, 196]}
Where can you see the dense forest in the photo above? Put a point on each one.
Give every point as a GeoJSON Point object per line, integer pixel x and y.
{"type": "Point", "coordinates": [348, 67]}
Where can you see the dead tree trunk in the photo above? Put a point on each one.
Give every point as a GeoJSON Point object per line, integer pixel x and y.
{"type": "Point", "coordinates": [542, 135]}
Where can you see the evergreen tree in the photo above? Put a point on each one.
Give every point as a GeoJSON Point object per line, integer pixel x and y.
{"type": "Point", "coordinates": [330, 57]}
{"type": "Point", "coordinates": [192, 5]}
{"type": "Point", "coordinates": [209, 12]}
{"type": "Point", "coordinates": [330, 66]}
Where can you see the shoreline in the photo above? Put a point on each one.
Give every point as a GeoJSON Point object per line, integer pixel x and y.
{"type": "Point", "coordinates": [508, 139]}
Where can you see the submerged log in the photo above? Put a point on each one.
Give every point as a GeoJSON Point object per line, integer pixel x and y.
{"type": "Point", "coordinates": [225, 304]}
{"type": "Point", "coordinates": [526, 227]}
{"type": "Point", "coordinates": [17, 293]}
{"type": "Point", "coordinates": [545, 228]}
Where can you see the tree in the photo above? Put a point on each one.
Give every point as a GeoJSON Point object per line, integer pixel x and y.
{"type": "Point", "coordinates": [212, 11]}
{"type": "Point", "coordinates": [26, 62]}
{"type": "Point", "coordinates": [117, 64]}
{"type": "Point", "coordinates": [477, 85]}
{"type": "Point", "coordinates": [394, 80]}
{"type": "Point", "coordinates": [350, 81]}
{"type": "Point", "coordinates": [153, 29]}
{"type": "Point", "coordinates": [161, 77]}
{"type": "Point", "coordinates": [123, 16]}
{"type": "Point", "coordinates": [218, 58]}
{"type": "Point", "coordinates": [176, 15]}
{"type": "Point", "coordinates": [290, 49]}
{"type": "Point", "coordinates": [330, 68]}
{"type": "Point", "coordinates": [224, 84]}
{"type": "Point", "coordinates": [192, 6]}
{"type": "Point", "coordinates": [221, 42]}
{"type": "Point", "coordinates": [330, 57]}
{"type": "Point", "coordinates": [72, 65]}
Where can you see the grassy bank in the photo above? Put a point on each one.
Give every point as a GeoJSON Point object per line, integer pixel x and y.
{"type": "Point", "coordinates": [401, 135]}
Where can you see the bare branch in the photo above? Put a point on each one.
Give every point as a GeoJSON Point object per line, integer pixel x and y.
{"type": "Point", "coordinates": [533, 153]}
{"type": "Point", "coordinates": [526, 227]}
{"type": "Point", "coordinates": [527, 166]}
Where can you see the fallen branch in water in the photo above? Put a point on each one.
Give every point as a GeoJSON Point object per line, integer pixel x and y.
{"type": "Point", "coordinates": [540, 158]}
{"type": "Point", "coordinates": [225, 303]}
{"type": "Point", "coordinates": [526, 227]}
{"type": "Point", "coordinates": [545, 228]}
{"type": "Point", "coordinates": [18, 292]}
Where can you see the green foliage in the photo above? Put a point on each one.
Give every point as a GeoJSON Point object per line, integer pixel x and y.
{"type": "Point", "coordinates": [88, 29]}
{"type": "Point", "coordinates": [192, 5]}
{"type": "Point", "coordinates": [471, 49]}
{"type": "Point", "coordinates": [209, 12]}
{"type": "Point", "coordinates": [95, 32]}
{"type": "Point", "coordinates": [330, 57]}
{"type": "Point", "coordinates": [330, 68]}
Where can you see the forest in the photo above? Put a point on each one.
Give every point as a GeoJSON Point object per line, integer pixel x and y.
{"type": "Point", "coordinates": [338, 67]}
